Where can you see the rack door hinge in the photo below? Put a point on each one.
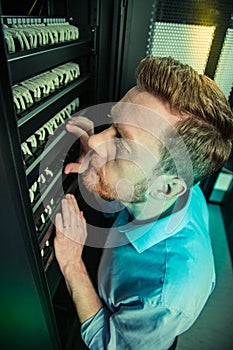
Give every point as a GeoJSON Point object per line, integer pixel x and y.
{"type": "Point", "coordinates": [124, 3]}
{"type": "Point", "coordinates": [94, 37]}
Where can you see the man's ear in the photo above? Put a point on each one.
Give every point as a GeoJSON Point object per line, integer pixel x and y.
{"type": "Point", "coordinates": [167, 187]}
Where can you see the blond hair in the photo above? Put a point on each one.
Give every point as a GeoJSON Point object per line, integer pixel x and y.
{"type": "Point", "coordinates": [207, 125]}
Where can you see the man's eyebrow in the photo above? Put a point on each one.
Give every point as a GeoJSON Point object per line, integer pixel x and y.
{"type": "Point", "coordinates": [122, 131]}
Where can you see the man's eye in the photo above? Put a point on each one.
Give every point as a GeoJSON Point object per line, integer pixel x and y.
{"type": "Point", "coordinates": [118, 135]}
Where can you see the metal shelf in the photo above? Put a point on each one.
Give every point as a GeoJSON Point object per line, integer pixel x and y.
{"type": "Point", "coordinates": [35, 119]}
{"type": "Point", "coordinates": [69, 185]}
{"type": "Point", "coordinates": [42, 282]}
{"type": "Point", "coordinates": [53, 273]}
{"type": "Point", "coordinates": [28, 63]}
{"type": "Point", "coordinates": [56, 151]}
{"type": "Point", "coordinates": [45, 153]}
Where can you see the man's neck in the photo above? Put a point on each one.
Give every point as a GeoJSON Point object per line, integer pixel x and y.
{"type": "Point", "coordinates": [156, 208]}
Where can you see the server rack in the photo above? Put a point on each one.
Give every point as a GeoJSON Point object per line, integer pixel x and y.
{"type": "Point", "coordinates": [37, 310]}
{"type": "Point", "coordinates": [45, 315]}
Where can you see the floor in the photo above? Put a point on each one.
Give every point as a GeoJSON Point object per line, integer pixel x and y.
{"type": "Point", "coordinates": [214, 328]}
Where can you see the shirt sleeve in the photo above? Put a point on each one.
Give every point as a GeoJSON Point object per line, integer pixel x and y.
{"type": "Point", "coordinates": [136, 326]}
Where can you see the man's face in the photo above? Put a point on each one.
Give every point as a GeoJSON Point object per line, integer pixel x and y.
{"type": "Point", "coordinates": [124, 155]}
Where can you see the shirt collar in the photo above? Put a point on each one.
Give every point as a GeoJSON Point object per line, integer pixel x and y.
{"type": "Point", "coordinates": [144, 236]}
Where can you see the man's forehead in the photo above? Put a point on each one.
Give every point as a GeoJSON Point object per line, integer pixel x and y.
{"type": "Point", "coordinates": [144, 104]}
{"type": "Point", "coordinates": [127, 114]}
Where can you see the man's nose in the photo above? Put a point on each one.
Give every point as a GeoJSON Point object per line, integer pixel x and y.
{"type": "Point", "coordinates": [100, 143]}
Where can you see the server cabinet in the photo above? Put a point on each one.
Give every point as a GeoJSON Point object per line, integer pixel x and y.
{"type": "Point", "coordinates": [50, 69]}
{"type": "Point", "coordinates": [26, 312]}
{"type": "Point", "coordinates": [188, 30]}
{"type": "Point", "coordinates": [27, 317]}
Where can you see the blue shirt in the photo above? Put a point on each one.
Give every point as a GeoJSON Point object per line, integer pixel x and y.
{"type": "Point", "coordinates": [154, 280]}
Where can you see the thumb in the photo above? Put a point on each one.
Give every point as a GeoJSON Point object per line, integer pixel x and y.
{"type": "Point", "coordinates": [79, 167]}
{"type": "Point", "coordinates": [72, 168]}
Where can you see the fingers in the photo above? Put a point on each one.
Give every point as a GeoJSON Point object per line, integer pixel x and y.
{"type": "Point", "coordinates": [59, 224]}
{"type": "Point", "coordinates": [82, 123]}
{"type": "Point", "coordinates": [79, 167]}
{"type": "Point", "coordinates": [83, 128]}
{"type": "Point", "coordinates": [73, 204]}
{"type": "Point", "coordinates": [83, 218]}
{"type": "Point", "coordinates": [81, 134]}
{"type": "Point", "coordinates": [71, 223]}
{"type": "Point", "coordinates": [72, 168]}
{"type": "Point", "coordinates": [66, 214]}
{"type": "Point", "coordinates": [72, 211]}
{"type": "Point", "coordinates": [75, 219]}
{"type": "Point", "coordinates": [77, 211]}
{"type": "Point", "coordinates": [73, 128]}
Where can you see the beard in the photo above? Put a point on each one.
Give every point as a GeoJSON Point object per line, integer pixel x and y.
{"type": "Point", "coordinates": [133, 193]}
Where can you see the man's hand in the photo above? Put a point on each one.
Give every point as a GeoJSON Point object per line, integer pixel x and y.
{"type": "Point", "coordinates": [71, 234]}
{"type": "Point", "coordinates": [83, 128]}
{"type": "Point", "coordinates": [70, 237]}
